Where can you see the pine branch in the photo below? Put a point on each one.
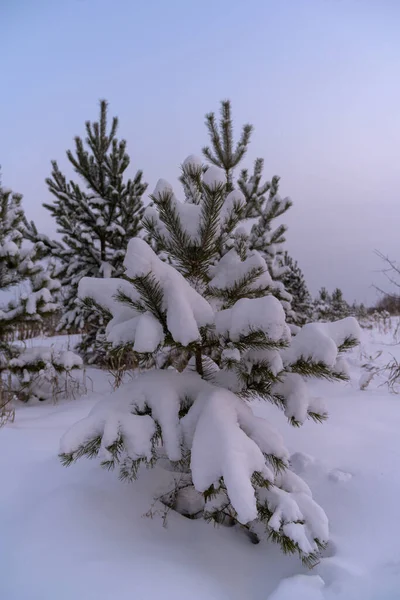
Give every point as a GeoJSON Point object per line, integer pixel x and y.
{"type": "Point", "coordinates": [347, 344]}
{"type": "Point", "coordinates": [213, 200]}
{"type": "Point", "coordinates": [307, 367]}
{"type": "Point", "coordinates": [90, 449]}
{"type": "Point", "coordinates": [241, 288]}
{"type": "Point", "coordinates": [152, 297]}
{"type": "Point", "coordinates": [179, 245]}
{"type": "Point", "coordinates": [222, 152]}
{"type": "Point", "coordinates": [256, 339]}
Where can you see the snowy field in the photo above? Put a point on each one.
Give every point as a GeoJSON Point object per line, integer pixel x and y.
{"type": "Point", "coordinates": [78, 533]}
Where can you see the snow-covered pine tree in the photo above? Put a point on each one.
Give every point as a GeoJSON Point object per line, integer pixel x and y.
{"type": "Point", "coordinates": [19, 265]}
{"type": "Point", "coordinates": [96, 217]}
{"type": "Point", "coordinates": [359, 311]}
{"type": "Point", "coordinates": [207, 321]}
{"type": "Point", "coordinates": [331, 307]}
{"type": "Point", "coordinates": [339, 308]}
{"type": "Point", "coordinates": [295, 284]}
{"type": "Point", "coordinates": [321, 311]}
{"type": "Point", "coordinates": [28, 293]}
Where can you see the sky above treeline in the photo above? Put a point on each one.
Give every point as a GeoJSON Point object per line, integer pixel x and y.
{"type": "Point", "coordinates": [318, 79]}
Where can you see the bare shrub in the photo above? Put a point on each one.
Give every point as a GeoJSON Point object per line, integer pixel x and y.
{"type": "Point", "coordinates": [119, 363]}
{"type": "Point", "coordinates": [7, 410]}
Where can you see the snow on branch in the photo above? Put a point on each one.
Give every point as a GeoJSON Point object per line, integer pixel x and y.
{"type": "Point", "coordinates": [247, 314]}
{"type": "Point", "coordinates": [229, 448]}
{"type": "Point", "coordinates": [321, 342]}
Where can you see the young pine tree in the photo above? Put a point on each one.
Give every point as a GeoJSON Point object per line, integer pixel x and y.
{"type": "Point", "coordinates": [96, 216]}
{"type": "Point", "coordinates": [295, 284]}
{"type": "Point", "coordinates": [216, 337]}
{"type": "Point", "coordinates": [322, 311]}
{"type": "Point", "coordinates": [331, 307]}
{"type": "Point", "coordinates": [339, 306]}
{"type": "Point", "coordinates": [27, 297]}
{"type": "Point", "coordinates": [20, 265]}
{"type": "Point", "coordinates": [360, 311]}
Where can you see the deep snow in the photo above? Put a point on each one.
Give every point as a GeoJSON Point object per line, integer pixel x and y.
{"type": "Point", "coordinates": [79, 533]}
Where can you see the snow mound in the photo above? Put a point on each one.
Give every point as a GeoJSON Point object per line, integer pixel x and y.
{"type": "Point", "coordinates": [299, 587]}
{"type": "Point", "coordinates": [301, 462]}
{"type": "Point", "coordinates": [339, 476]}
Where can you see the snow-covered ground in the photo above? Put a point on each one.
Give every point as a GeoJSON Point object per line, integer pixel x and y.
{"type": "Point", "coordinates": [78, 533]}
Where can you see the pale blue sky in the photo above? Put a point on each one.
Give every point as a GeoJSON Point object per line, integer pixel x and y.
{"type": "Point", "coordinates": [319, 79]}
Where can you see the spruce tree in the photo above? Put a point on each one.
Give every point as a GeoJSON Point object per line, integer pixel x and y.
{"type": "Point", "coordinates": [295, 284]}
{"type": "Point", "coordinates": [96, 217]}
{"type": "Point", "coordinates": [216, 337]}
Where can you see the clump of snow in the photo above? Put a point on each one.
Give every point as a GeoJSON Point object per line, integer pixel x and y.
{"type": "Point", "coordinates": [297, 507]}
{"type": "Point", "coordinates": [188, 214]}
{"type": "Point", "coordinates": [106, 269]}
{"type": "Point", "coordinates": [104, 292]}
{"type": "Point", "coordinates": [234, 200]}
{"type": "Point", "coordinates": [162, 187]}
{"type": "Point", "coordinates": [296, 532]}
{"type": "Point", "coordinates": [231, 269]}
{"type": "Point", "coordinates": [294, 389]}
{"type": "Point", "coordinates": [83, 431]}
{"type": "Point", "coordinates": [149, 333]}
{"type": "Point", "coordinates": [186, 310]}
{"type": "Point", "coordinates": [271, 357]}
{"type": "Point", "coordinates": [136, 431]}
{"type": "Point", "coordinates": [144, 331]}
{"type": "Point", "coordinates": [311, 343]}
{"type": "Point", "coordinates": [214, 177]}
{"type": "Point", "coordinates": [299, 587]}
{"type": "Point", "coordinates": [9, 248]}
{"type": "Point", "coordinates": [222, 449]}
{"type": "Point", "coordinates": [290, 482]}
{"type": "Point", "coordinates": [231, 354]}
{"type": "Point", "coordinates": [247, 314]}
{"type": "Point", "coordinates": [319, 342]}
{"type": "Point", "coordinates": [340, 330]}
{"type": "Point", "coordinates": [193, 162]}
{"type": "Point", "coordinates": [69, 360]}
